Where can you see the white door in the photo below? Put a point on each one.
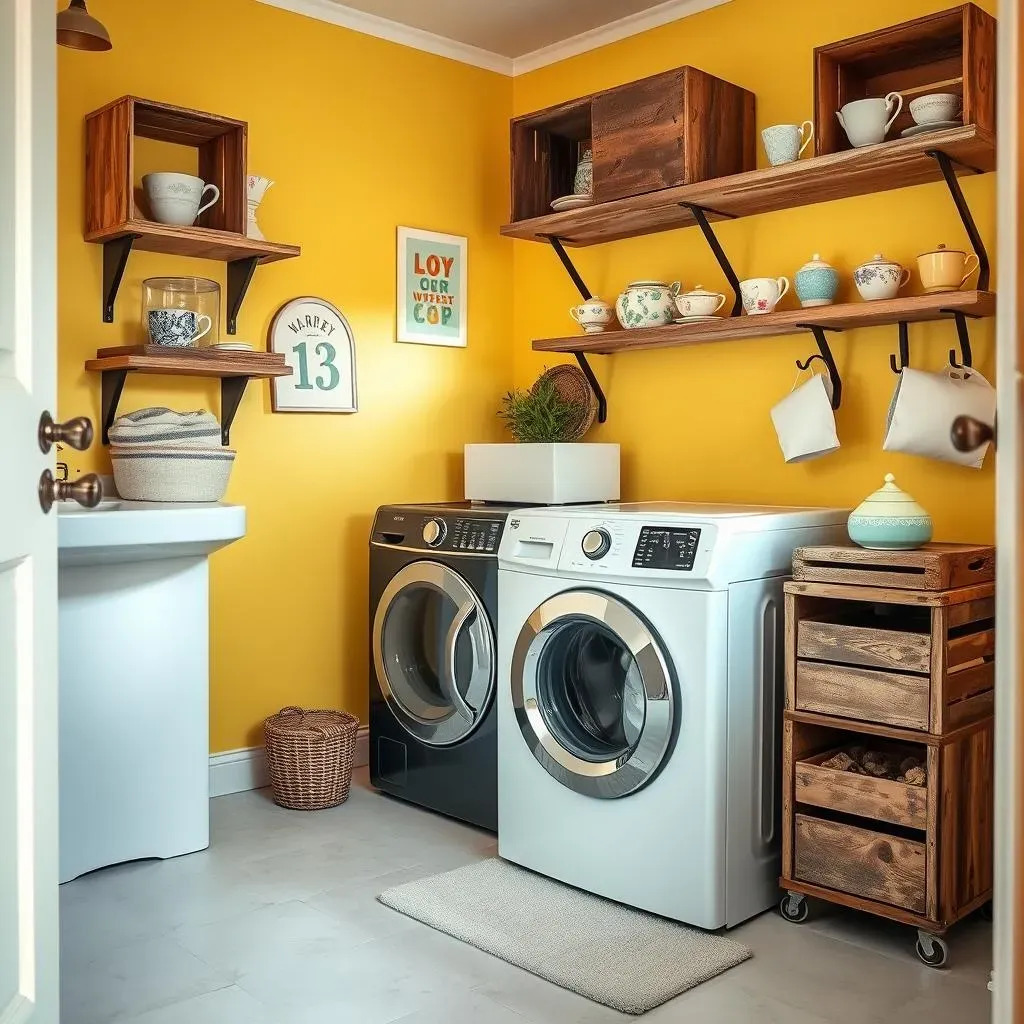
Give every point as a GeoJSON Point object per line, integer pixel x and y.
{"type": "Point", "coordinates": [1008, 999]}
{"type": "Point", "coordinates": [28, 538]}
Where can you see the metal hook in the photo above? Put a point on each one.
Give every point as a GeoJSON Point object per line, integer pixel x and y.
{"type": "Point", "coordinates": [964, 337]}
{"type": "Point", "coordinates": [904, 350]}
{"type": "Point", "coordinates": [826, 358]}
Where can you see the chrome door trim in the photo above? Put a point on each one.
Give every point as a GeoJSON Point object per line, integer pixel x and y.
{"type": "Point", "coordinates": [436, 726]}
{"type": "Point", "coordinates": [606, 779]}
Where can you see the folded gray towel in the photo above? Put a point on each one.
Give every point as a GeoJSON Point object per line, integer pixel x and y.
{"type": "Point", "coordinates": [159, 425]}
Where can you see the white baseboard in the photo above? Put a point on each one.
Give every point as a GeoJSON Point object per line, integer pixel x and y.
{"type": "Point", "coordinates": [235, 771]}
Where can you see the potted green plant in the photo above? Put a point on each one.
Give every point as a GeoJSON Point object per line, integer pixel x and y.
{"type": "Point", "coordinates": [548, 464]}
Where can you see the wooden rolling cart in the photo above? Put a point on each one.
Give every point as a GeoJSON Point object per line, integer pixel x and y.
{"type": "Point", "coordinates": [893, 651]}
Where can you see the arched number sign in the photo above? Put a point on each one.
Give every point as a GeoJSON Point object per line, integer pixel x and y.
{"type": "Point", "coordinates": [317, 343]}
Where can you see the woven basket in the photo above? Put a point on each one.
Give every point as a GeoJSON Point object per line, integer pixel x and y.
{"type": "Point", "coordinates": [574, 387]}
{"type": "Point", "coordinates": [309, 757]}
{"type": "Point", "coordinates": [154, 473]}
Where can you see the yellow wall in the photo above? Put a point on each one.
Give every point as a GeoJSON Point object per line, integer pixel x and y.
{"type": "Point", "coordinates": [360, 135]}
{"type": "Point", "coordinates": [693, 423]}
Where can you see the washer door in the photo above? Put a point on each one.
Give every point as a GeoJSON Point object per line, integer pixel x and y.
{"type": "Point", "coordinates": [593, 693]}
{"type": "Point", "coordinates": [433, 648]}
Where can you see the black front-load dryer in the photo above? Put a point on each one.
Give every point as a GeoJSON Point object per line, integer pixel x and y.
{"type": "Point", "coordinates": [433, 657]}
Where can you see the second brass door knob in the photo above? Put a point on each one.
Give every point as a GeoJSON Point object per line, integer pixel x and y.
{"type": "Point", "coordinates": [76, 433]}
{"type": "Point", "coordinates": [86, 490]}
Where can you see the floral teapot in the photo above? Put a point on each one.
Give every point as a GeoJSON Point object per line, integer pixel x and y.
{"type": "Point", "coordinates": [647, 304]}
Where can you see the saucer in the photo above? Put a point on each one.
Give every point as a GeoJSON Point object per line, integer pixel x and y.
{"type": "Point", "coordinates": [933, 126]}
{"type": "Point", "coordinates": [573, 202]}
{"type": "Point", "coordinates": [698, 319]}
{"type": "Point", "coordinates": [233, 346]}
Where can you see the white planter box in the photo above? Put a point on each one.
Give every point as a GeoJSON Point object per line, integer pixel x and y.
{"type": "Point", "coordinates": [542, 474]}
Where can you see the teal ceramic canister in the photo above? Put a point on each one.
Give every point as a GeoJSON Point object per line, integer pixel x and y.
{"type": "Point", "coordinates": [890, 520]}
{"type": "Point", "coordinates": [816, 283]}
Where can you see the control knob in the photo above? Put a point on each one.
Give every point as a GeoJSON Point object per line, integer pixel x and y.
{"type": "Point", "coordinates": [434, 532]}
{"type": "Point", "coordinates": [597, 543]}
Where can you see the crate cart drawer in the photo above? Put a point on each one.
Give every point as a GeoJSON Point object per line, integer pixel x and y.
{"type": "Point", "coordinates": [890, 698]}
{"type": "Point", "coordinates": [861, 862]}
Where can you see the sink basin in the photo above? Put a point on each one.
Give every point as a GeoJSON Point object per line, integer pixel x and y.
{"type": "Point", "coordinates": [72, 508]}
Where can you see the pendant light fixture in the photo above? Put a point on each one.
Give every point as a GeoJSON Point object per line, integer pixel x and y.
{"type": "Point", "coordinates": [79, 30]}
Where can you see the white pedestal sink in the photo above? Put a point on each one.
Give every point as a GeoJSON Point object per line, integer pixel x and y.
{"type": "Point", "coordinates": [134, 679]}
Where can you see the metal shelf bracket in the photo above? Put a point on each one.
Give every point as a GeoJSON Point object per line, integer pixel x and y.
{"type": "Point", "coordinates": [113, 385]}
{"type": "Point", "coordinates": [904, 360]}
{"type": "Point", "coordinates": [581, 358]}
{"type": "Point", "coordinates": [700, 215]}
{"type": "Point", "coordinates": [826, 357]}
{"type": "Point", "coordinates": [115, 259]}
{"type": "Point", "coordinates": [946, 162]}
{"type": "Point", "coordinates": [231, 391]}
{"type": "Point", "coordinates": [239, 278]}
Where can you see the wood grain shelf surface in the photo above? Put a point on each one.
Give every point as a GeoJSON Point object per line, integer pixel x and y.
{"type": "Point", "coordinates": [846, 316]}
{"type": "Point", "coordinates": [890, 165]}
{"type": "Point", "coordinates": [190, 363]}
{"type": "Point", "coordinates": [203, 243]}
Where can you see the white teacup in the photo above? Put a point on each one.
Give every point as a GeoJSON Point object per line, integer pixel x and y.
{"type": "Point", "coordinates": [175, 198]}
{"type": "Point", "coordinates": [805, 421]}
{"type": "Point", "coordinates": [593, 315]}
{"type": "Point", "coordinates": [762, 294]}
{"type": "Point", "coordinates": [866, 121]}
{"type": "Point", "coordinates": [924, 406]}
{"type": "Point", "coordinates": [935, 106]}
{"type": "Point", "coordinates": [699, 302]}
{"type": "Point", "coordinates": [784, 143]}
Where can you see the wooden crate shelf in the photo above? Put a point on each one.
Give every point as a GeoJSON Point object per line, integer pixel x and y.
{"type": "Point", "coordinates": [891, 165]}
{"type": "Point", "coordinates": [198, 242]}
{"type": "Point", "coordinates": [912, 672]}
{"type": "Point", "coordinates": [846, 316]}
{"type": "Point", "coordinates": [234, 369]}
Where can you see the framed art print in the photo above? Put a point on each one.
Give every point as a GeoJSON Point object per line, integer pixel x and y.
{"type": "Point", "coordinates": [431, 288]}
{"type": "Point", "coordinates": [317, 343]}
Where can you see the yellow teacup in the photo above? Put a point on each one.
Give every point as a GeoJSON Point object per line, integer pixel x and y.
{"type": "Point", "coordinates": [945, 270]}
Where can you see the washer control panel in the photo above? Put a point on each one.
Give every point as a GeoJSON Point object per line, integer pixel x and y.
{"type": "Point", "coordinates": [661, 547]}
{"type": "Point", "coordinates": [475, 535]}
{"type": "Point", "coordinates": [478, 533]}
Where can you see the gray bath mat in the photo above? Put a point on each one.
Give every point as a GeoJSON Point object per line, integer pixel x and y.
{"type": "Point", "coordinates": [612, 954]}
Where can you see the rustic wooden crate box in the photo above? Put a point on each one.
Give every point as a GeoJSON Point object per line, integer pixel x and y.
{"type": "Point", "coordinates": [674, 128]}
{"type": "Point", "coordinates": [880, 666]}
{"type": "Point", "coordinates": [110, 185]}
{"type": "Point", "coordinates": [951, 51]}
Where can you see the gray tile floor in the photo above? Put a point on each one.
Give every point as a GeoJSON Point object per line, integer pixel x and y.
{"type": "Point", "coordinates": [277, 924]}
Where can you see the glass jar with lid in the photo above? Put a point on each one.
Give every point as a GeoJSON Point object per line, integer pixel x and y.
{"type": "Point", "coordinates": [197, 295]}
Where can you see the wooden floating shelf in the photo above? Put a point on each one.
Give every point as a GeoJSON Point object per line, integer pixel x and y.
{"type": "Point", "coordinates": [855, 172]}
{"type": "Point", "coordinates": [847, 316]}
{"type": "Point", "coordinates": [189, 362]}
{"type": "Point", "coordinates": [235, 370]}
{"type": "Point", "coordinates": [202, 243]}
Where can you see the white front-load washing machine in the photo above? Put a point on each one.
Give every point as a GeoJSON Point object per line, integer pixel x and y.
{"type": "Point", "coordinates": [640, 700]}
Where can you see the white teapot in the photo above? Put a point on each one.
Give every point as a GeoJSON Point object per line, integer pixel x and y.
{"type": "Point", "coordinates": [647, 304]}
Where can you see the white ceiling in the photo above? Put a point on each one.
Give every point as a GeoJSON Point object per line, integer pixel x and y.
{"type": "Point", "coordinates": [510, 36]}
{"type": "Point", "coordinates": [511, 28]}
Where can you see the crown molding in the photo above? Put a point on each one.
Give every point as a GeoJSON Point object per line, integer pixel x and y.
{"type": "Point", "coordinates": [395, 32]}
{"type": "Point", "coordinates": [631, 25]}
{"type": "Point", "coordinates": [418, 39]}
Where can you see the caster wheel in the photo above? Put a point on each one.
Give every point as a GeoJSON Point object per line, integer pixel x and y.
{"type": "Point", "coordinates": [793, 907]}
{"type": "Point", "coordinates": [931, 950]}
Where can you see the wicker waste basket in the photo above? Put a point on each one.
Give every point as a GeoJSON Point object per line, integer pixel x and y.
{"type": "Point", "coordinates": [309, 757]}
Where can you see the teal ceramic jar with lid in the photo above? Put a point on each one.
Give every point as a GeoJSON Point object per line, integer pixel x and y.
{"type": "Point", "coordinates": [889, 520]}
{"type": "Point", "coordinates": [816, 283]}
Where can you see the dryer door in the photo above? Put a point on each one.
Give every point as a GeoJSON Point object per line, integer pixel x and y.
{"type": "Point", "coordinates": [593, 693]}
{"type": "Point", "coordinates": [433, 649]}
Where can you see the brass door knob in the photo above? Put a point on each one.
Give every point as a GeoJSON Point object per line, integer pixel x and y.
{"type": "Point", "coordinates": [969, 434]}
{"type": "Point", "coordinates": [77, 433]}
{"type": "Point", "coordinates": [86, 490]}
